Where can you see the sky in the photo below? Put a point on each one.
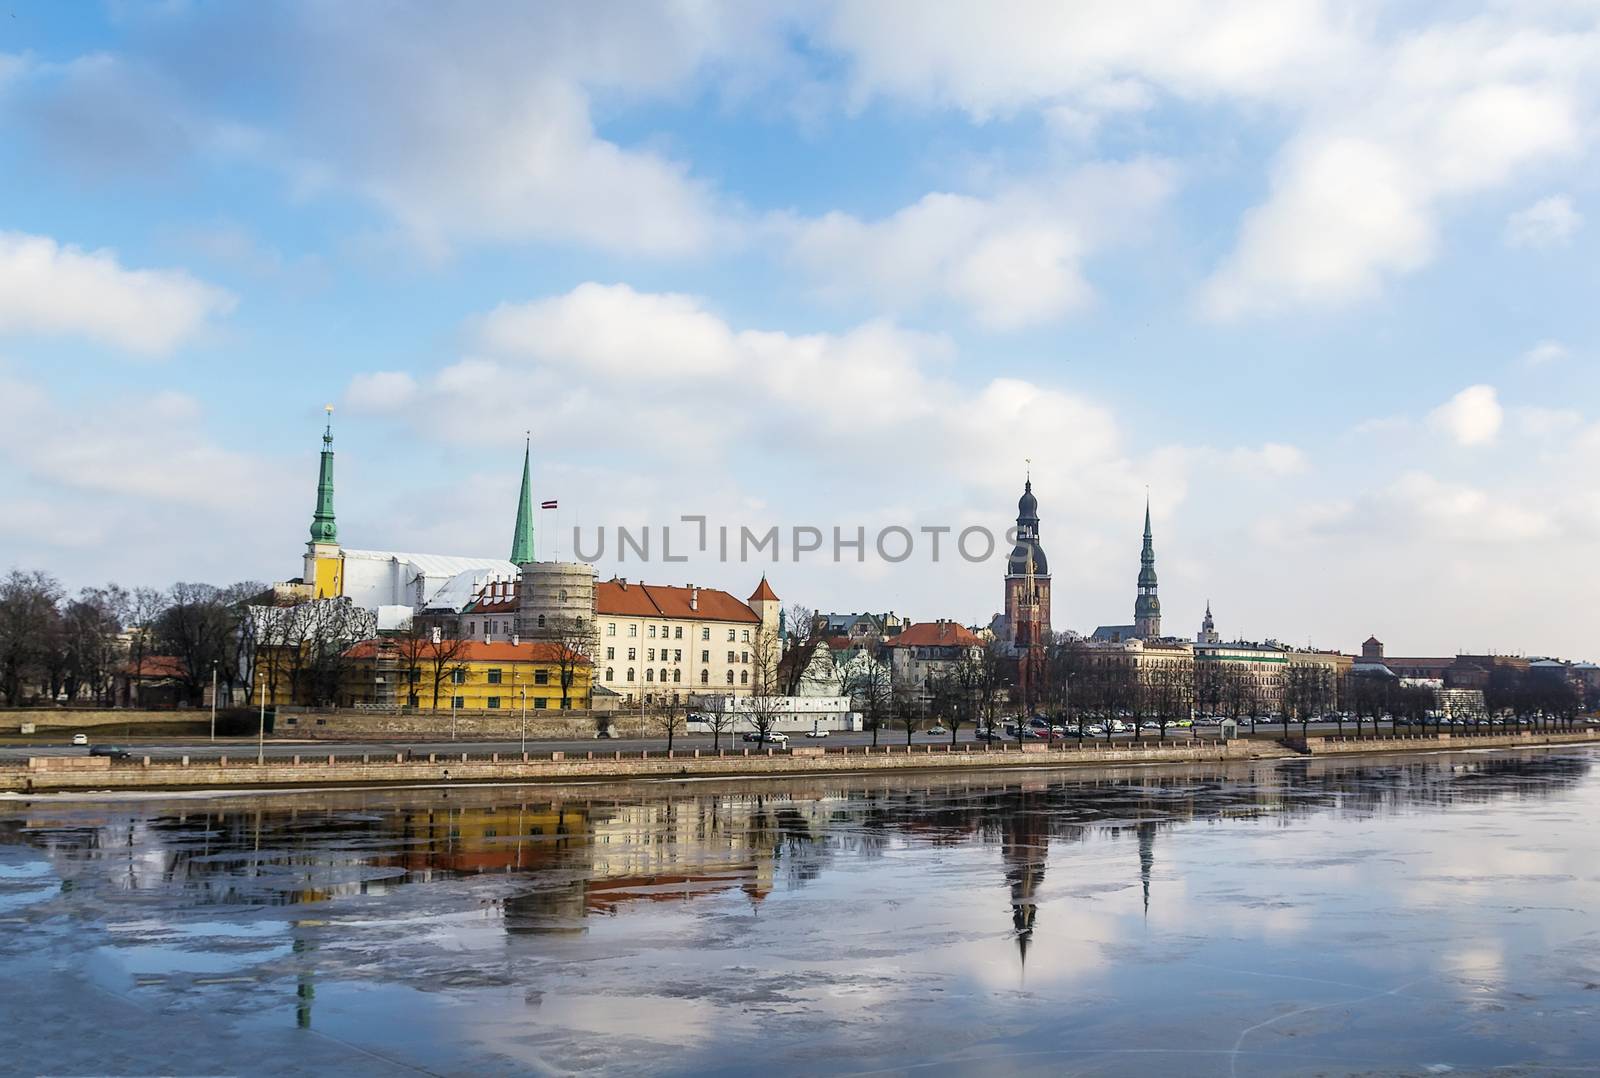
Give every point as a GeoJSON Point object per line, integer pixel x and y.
{"type": "Point", "coordinates": [1319, 277]}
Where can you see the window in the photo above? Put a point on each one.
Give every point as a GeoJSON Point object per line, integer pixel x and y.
{"type": "Point", "coordinates": [633, 630]}
{"type": "Point", "coordinates": [730, 656]}
{"type": "Point", "coordinates": [631, 654]}
{"type": "Point", "coordinates": [746, 636]}
{"type": "Point", "coordinates": [563, 594]}
{"type": "Point", "coordinates": [652, 654]}
{"type": "Point", "coordinates": [705, 656]}
{"type": "Point", "coordinates": [730, 677]}
{"type": "Point", "coordinates": [705, 634]}
{"type": "Point", "coordinates": [472, 628]}
{"type": "Point", "coordinates": [649, 674]}
{"type": "Point", "coordinates": [611, 628]}
{"type": "Point", "coordinates": [652, 631]}
{"type": "Point", "coordinates": [705, 677]}
{"type": "Point", "coordinates": [630, 674]}
{"type": "Point", "coordinates": [744, 656]}
{"type": "Point", "coordinates": [416, 674]}
{"type": "Point", "coordinates": [730, 636]}
{"type": "Point", "coordinates": [611, 653]}
{"type": "Point", "coordinates": [458, 701]}
{"type": "Point", "coordinates": [494, 677]}
{"type": "Point", "coordinates": [541, 677]}
{"type": "Point", "coordinates": [664, 630]}
{"type": "Point", "coordinates": [494, 702]}
{"type": "Point", "coordinates": [677, 632]}
{"type": "Point", "coordinates": [540, 704]}
{"type": "Point", "coordinates": [744, 677]}
{"type": "Point", "coordinates": [677, 676]}
{"type": "Point", "coordinates": [611, 674]}
{"type": "Point", "coordinates": [458, 677]}
{"type": "Point", "coordinates": [663, 675]}
{"type": "Point", "coordinates": [541, 621]}
{"type": "Point", "coordinates": [677, 655]}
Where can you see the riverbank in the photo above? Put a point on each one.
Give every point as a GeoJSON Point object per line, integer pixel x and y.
{"type": "Point", "coordinates": [88, 773]}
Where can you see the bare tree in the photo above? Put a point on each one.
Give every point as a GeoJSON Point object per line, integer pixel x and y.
{"type": "Point", "coordinates": [719, 719]}
{"type": "Point", "coordinates": [763, 701]}
{"type": "Point", "coordinates": [909, 713]}
{"type": "Point", "coordinates": [575, 636]}
{"type": "Point", "coordinates": [870, 693]}
{"type": "Point", "coordinates": [145, 607]}
{"type": "Point", "coordinates": [91, 624]}
{"type": "Point", "coordinates": [28, 611]}
{"type": "Point", "coordinates": [669, 715]}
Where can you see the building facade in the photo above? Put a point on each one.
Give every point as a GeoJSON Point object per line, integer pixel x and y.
{"type": "Point", "coordinates": [498, 676]}
{"type": "Point", "coordinates": [928, 650]}
{"type": "Point", "coordinates": [662, 643]}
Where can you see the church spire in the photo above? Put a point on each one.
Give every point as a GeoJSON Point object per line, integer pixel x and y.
{"type": "Point", "coordinates": [323, 527]}
{"type": "Point", "coordinates": [522, 550]}
{"type": "Point", "coordinates": [1147, 607]}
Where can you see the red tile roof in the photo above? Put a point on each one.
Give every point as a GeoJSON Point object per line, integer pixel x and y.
{"type": "Point", "coordinates": [947, 634]}
{"type": "Point", "coordinates": [763, 592]}
{"type": "Point", "coordinates": [659, 601]}
{"type": "Point", "coordinates": [527, 651]}
{"type": "Point", "coordinates": [157, 666]}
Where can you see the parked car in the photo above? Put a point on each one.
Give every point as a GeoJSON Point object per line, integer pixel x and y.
{"type": "Point", "coordinates": [1094, 731]}
{"type": "Point", "coordinates": [1150, 725]}
{"type": "Point", "coordinates": [816, 731]}
{"type": "Point", "coordinates": [774, 737]}
{"type": "Point", "coordinates": [80, 739]}
{"type": "Point", "coordinates": [936, 730]}
{"type": "Point", "coordinates": [112, 751]}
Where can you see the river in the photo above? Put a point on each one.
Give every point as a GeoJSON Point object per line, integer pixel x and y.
{"type": "Point", "coordinates": [1403, 915]}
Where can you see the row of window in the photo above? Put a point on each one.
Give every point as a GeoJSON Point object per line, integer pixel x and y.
{"type": "Point", "coordinates": [676, 632]}
{"type": "Point", "coordinates": [677, 655]}
{"type": "Point", "coordinates": [492, 703]}
{"type": "Point", "coordinates": [496, 677]}
{"type": "Point", "coordinates": [677, 675]}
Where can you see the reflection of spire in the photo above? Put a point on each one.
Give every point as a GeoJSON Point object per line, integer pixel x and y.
{"type": "Point", "coordinates": [1147, 859]}
{"type": "Point", "coordinates": [1024, 850]}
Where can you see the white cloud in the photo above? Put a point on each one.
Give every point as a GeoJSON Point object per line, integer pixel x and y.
{"type": "Point", "coordinates": [51, 289]}
{"type": "Point", "coordinates": [1545, 352]}
{"type": "Point", "coordinates": [1550, 222]}
{"type": "Point", "coordinates": [1472, 417]}
{"type": "Point", "coordinates": [380, 391]}
{"type": "Point", "coordinates": [1013, 258]}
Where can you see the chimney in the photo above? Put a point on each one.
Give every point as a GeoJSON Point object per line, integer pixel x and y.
{"type": "Point", "coordinates": [488, 638]}
{"type": "Point", "coordinates": [516, 640]}
{"type": "Point", "coordinates": [694, 598]}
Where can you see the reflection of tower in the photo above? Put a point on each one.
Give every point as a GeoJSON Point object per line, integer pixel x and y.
{"type": "Point", "coordinates": [1025, 848]}
{"type": "Point", "coordinates": [1147, 858]}
{"type": "Point", "coordinates": [1147, 607]}
{"type": "Point", "coordinates": [305, 991]}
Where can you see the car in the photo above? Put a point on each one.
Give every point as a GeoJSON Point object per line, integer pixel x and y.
{"type": "Point", "coordinates": [817, 733]}
{"type": "Point", "coordinates": [112, 751]}
{"type": "Point", "coordinates": [936, 730]}
{"type": "Point", "coordinates": [1094, 731]}
{"type": "Point", "coordinates": [80, 739]}
{"type": "Point", "coordinates": [773, 737]}
{"type": "Point", "coordinates": [605, 732]}
{"type": "Point", "coordinates": [1150, 725]}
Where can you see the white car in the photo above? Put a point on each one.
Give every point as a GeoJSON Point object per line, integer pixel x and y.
{"type": "Point", "coordinates": [80, 739]}
{"type": "Point", "coordinates": [773, 738]}
{"type": "Point", "coordinates": [817, 733]}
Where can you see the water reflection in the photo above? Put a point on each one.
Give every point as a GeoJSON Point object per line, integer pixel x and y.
{"type": "Point", "coordinates": [473, 890]}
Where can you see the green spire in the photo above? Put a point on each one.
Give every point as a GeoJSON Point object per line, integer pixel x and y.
{"type": "Point", "coordinates": [323, 527]}
{"type": "Point", "coordinates": [522, 537]}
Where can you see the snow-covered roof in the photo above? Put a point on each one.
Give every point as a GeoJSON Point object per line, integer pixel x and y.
{"type": "Point", "coordinates": [435, 565]}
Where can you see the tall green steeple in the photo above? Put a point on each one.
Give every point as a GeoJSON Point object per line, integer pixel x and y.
{"type": "Point", "coordinates": [323, 527]}
{"type": "Point", "coordinates": [1147, 607]}
{"type": "Point", "coordinates": [522, 538]}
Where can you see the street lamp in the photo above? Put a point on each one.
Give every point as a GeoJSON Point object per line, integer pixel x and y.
{"type": "Point", "coordinates": [523, 690]}
{"type": "Point", "coordinates": [213, 699]}
{"type": "Point", "coordinates": [261, 727]}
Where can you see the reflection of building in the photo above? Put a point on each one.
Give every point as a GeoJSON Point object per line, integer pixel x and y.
{"type": "Point", "coordinates": [1025, 848]}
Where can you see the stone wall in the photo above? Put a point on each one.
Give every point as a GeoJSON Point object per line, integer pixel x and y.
{"type": "Point", "coordinates": [333, 769]}
{"type": "Point", "coordinates": [1333, 746]}
{"type": "Point", "coordinates": [469, 725]}
{"type": "Point", "coordinates": [66, 718]}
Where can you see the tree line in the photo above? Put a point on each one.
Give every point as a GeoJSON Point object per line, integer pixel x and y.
{"type": "Point", "coordinates": [61, 647]}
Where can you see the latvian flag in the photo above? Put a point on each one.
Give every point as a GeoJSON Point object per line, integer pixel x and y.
{"type": "Point", "coordinates": [547, 505]}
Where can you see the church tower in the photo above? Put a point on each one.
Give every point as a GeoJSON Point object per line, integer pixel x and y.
{"type": "Point", "coordinates": [1208, 629]}
{"type": "Point", "coordinates": [324, 567]}
{"type": "Point", "coordinates": [1027, 579]}
{"type": "Point", "coordinates": [522, 548]}
{"type": "Point", "coordinates": [1147, 607]}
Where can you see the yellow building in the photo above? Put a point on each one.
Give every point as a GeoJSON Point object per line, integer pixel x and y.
{"type": "Point", "coordinates": [468, 675]}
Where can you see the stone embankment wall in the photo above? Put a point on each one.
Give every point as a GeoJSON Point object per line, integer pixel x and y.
{"type": "Point", "coordinates": [469, 725]}
{"type": "Point", "coordinates": [1333, 746]}
{"type": "Point", "coordinates": [66, 718]}
{"type": "Point", "coordinates": [54, 773]}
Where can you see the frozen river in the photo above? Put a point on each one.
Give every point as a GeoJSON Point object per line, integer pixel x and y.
{"type": "Point", "coordinates": [1407, 915]}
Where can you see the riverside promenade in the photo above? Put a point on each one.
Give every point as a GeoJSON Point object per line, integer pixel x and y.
{"type": "Point", "coordinates": [54, 774]}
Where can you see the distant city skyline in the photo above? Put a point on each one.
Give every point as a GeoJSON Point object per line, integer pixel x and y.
{"type": "Point", "coordinates": [1319, 277]}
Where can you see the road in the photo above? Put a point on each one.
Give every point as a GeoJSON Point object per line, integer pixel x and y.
{"type": "Point", "coordinates": [171, 749]}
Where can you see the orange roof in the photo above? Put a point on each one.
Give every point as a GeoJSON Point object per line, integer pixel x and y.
{"type": "Point", "coordinates": [659, 601]}
{"type": "Point", "coordinates": [504, 651]}
{"type": "Point", "coordinates": [763, 592]}
{"type": "Point", "coordinates": [157, 666]}
{"type": "Point", "coordinates": [926, 634]}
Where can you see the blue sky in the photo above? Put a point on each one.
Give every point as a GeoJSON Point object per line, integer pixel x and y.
{"type": "Point", "coordinates": [1318, 275]}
